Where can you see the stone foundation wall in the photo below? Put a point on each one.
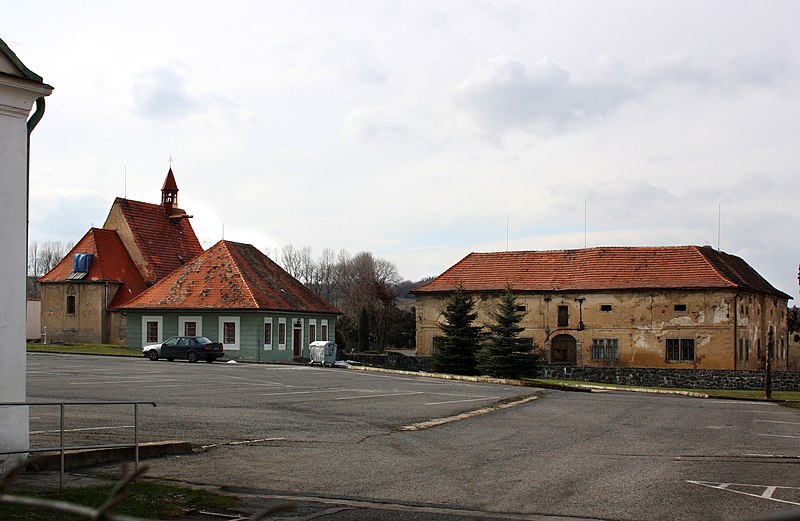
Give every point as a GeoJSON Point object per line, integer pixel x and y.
{"type": "Point", "coordinates": [678, 378]}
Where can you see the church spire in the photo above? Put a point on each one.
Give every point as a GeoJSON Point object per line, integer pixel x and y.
{"type": "Point", "coordinates": [169, 193]}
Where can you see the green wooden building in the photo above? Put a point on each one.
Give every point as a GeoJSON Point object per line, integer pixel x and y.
{"type": "Point", "coordinates": [234, 294]}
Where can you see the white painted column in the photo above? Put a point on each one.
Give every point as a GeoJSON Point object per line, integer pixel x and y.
{"type": "Point", "coordinates": [17, 95]}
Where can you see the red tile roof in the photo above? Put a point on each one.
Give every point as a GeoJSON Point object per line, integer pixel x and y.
{"type": "Point", "coordinates": [165, 243]}
{"type": "Point", "coordinates": [231, 275]}
{"type": "Point", "coordinates": [110, 263]}
{"type": "Point", "coordinates": [602, 269]}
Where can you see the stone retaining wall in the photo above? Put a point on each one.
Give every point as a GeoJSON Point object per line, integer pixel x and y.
{"type": "Point", "coordinates": [678, 378]}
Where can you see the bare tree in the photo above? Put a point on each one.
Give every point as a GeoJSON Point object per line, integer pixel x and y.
{"type": "Point", "coordinates": [354, 283]}
{"type": "Point", "coordinates": [326, 279]}
{"type": "Point", "coordinates": [289, 260]}
{"type": "Point", "coordinates": [50, 253]}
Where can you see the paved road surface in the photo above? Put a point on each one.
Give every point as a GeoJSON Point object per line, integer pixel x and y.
{"type": "Point", "coordinates": [329, 438]}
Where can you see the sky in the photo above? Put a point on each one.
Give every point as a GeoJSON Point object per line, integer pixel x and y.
{"type": "Point", "coordinates": [422, 131]}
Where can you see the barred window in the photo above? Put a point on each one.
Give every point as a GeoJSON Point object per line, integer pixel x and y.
{"type": "Point", "coordinates": [324, 332]}
{"type": "Point", "coordinates": [152, 331]}
{"type": "Point", "coordinates": [605, 348]}
{"type": "Point", "coordinates": [438, 343]}
{"type": "Point", "coordinates": [680, 349]}
{"type": "Point", "coordinates": [190, 328]}
{"type": "Point", "coordinates": [282, 333]}
{"type": "Point", "coordinates": [267, 333]}
{"type": "Point", "coordinates": [229, 332]}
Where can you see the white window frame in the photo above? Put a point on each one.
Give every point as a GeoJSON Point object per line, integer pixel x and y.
{"type": "Point", "coordinates": [324, 327]}
{"type": "Point", "coordinates": [160, 321]}
{"type": "Point", "coordinates": [182, 325]}
{"type": "Point", "coordinates": [282, 322]}
{"type": "Point", "coordinates": [268, 346]}
{"type": "Point", "coordinates": [237, 331]}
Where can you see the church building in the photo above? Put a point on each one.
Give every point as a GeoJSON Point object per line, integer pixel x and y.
{"type": "Point", "coordinates": [139, 244]}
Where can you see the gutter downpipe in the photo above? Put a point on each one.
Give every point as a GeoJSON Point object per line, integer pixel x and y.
{"type": "Point", "coordinates": [32, 122]}
{"type": "Point", "coordinates": [735, 328]}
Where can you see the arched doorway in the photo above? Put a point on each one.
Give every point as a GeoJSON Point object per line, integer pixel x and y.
{"type": "Point", "coordinates": [563, 350]}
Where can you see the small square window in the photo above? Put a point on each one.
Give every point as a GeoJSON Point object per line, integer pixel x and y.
{"type": "Point", "coordinates": [680, 307]}
{"type": "Point", "coordinates": [522, 309]}
{"type": "Point", "coordinates": [606, 307]}
{"type": "Point", "coordinates": [190, 328]}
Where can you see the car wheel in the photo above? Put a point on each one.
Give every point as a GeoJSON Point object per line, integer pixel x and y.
{"type": "Point", "coordinates": [192, 356]}
{"type": "Point", "coordinates": [152, 355]}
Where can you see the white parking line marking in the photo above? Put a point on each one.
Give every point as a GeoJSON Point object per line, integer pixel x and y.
{"type": "Point", "coordinates": [245, 442]}
{"type": "Point", "coordinates": [85, 429]}
{"type": "Point", "coordinates": [436, 422]}
{"type": "Point", "coordinates": [769, 490]}
{"type": "Point", "coordinates": [377, 396]}
{"type": "Point", "coordinates": [777, 421]}
{"type": "Point", "coordinates": [780, 436]}
{"type": "Point", "coordinates": [462, 401]}
{"type": "Point", "coordinates": [308, 392]}
{"type": "Point", "coordinates": [135, 379]}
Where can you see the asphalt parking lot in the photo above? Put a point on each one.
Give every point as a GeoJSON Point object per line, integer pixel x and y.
{"type": "Point", "coordinates": [332, 439]}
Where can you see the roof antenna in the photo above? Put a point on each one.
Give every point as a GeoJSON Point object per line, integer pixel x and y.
{"type": "Point", "coordinates": [223, 231]}
{"type": "Point", "coordinates": [584, 222]}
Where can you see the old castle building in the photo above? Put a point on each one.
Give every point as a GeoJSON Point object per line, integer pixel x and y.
{"type": "Point", "coordinates": [678, 307]}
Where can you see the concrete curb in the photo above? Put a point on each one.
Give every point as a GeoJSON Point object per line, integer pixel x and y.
{"type": "Point", "coordinates": [88, 457]}
{"type": "Point", "coordinates": [577, 387]}
{"type": "Point", "coordinates": [445, 376]}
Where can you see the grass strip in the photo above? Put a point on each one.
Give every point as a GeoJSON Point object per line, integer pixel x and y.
{"type": "Point", "coordinates": [791, 398]}
{"type": "Point", "coordinates": [147, 499]}
{"type": "Point", "coordinates": [84, 349]}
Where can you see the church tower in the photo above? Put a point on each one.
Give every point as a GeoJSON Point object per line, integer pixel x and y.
{"type": "Point", "coordinates": [169, 193]}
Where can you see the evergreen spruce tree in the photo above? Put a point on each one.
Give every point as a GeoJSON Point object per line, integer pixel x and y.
{"type": "Point", "coordinates": [462, 337]}
{"type": "Point", "coordinates": [504, 354]}
{"type": "Point", "coordinates": [363, 331]}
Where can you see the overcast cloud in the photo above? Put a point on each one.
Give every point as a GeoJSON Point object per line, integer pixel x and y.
{"type": "Point", "coordinates": [423, 131]}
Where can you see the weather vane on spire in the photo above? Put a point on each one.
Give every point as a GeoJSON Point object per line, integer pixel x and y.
{"type": "Point", "coordinates": [170, 160]}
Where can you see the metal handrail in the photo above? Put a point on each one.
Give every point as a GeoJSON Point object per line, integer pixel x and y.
{"type": "Point", "coordinates": [63, 448]}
